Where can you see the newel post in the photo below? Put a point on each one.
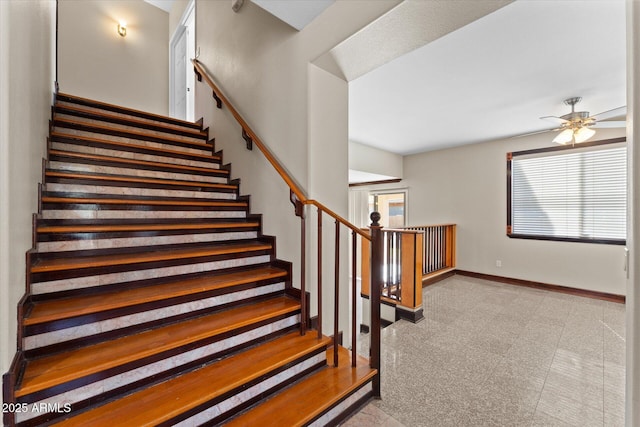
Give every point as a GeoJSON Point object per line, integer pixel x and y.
{"type": "Point", "coordinates": [377, 264]}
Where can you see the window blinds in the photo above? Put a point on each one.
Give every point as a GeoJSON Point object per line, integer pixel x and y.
{"type": "Point", "coordinates": [580, 194]}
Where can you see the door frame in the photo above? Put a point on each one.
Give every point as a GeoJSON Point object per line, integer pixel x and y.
{"type": "Point", "coordinates": [402, 190]}
{"type": "Point", "coordinates": [187, 19]}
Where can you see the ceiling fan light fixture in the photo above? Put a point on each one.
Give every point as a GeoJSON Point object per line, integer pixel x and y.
{"type": "Point", "coordinates": [564, 137]}
{"type": "Point", "coordinates": [584, 133]}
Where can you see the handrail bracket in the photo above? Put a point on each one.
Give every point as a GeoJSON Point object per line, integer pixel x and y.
{"type": "Point", "coordinates": [247, 139]}
{"type": "Point", "coordinates": [297, 204]}
{"type": "Point", "coordinates": [218, 100]}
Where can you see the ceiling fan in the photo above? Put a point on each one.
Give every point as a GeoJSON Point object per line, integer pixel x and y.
{"type": "Point", "coordinates": [576, 126]}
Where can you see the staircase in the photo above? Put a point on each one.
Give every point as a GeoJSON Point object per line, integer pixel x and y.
{"type": "Point", "coordinates": [153, 298]}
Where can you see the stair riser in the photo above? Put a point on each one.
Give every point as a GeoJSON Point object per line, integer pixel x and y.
{"type": "Point", "coordinates": [142, 142]}
{"type": "Point", "coordinates": [134, 128]}
{"type": "Point", "coordinates": [234, 404]}
{"type": "Point", "coordinates": [128, 242]}
{"type": "Point", "coordinates": [206, 193]}
{"type": "Point", "coordinates": [346, 406]}
{"type": "Point", "coordinates": [140, 214]}
{"type": "Point", "coordinates": [148, 157]}
{"type": "Point", "coordinates": [141, 173]}
{"type": "Point", "coordinates": [125, 378]}
{"type": "Point", "coordinates": [44, 287]}
{"type": "Point", "coordinates": [76, 103]}
{"type": "Point", "coordinates": [78, 111]}
{"type": "Point", "coordinates": [140, 318]}
{"type": "Point", "coordinates": [122, 112]}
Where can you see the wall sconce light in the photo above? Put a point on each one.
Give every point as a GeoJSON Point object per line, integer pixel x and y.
{"type": "Point", "coordinates": [236, 5]}
{"type": "Point", "coordinates": [122, 28]}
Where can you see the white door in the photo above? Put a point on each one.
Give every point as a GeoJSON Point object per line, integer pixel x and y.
{"type": "Point", "coordinates": [182, 79]}
{"type": "Point", "coordinates": [191, 53]}
{"type": "Point", "coordinates": [180, 76]}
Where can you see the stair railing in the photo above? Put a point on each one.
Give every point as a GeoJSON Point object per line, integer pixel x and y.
{"type": "Point", "coordinates": [401, 272]}
{"type": "Point", "coordinates": [300, 201]}
{"type": "Point", "coordinates": [439, 252]}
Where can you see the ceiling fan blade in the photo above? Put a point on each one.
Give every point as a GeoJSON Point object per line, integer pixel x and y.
{"type": "Point", "coordinates": [554, 119]}
{"type": "Point", "coordinates": [616, 112]}
{"type": "Point", "coordinates": [610, 124]}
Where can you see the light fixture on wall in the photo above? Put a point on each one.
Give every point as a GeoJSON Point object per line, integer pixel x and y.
{"type": "Point", "coordinates": [122, 28]}
{"type": "Point", "coordinates": [236, 5]}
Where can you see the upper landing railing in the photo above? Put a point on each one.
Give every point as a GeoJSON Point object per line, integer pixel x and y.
{"type": "Point", "coordinates": [439, 251]}
{"type": "Point", "coordinates": [300, 201]}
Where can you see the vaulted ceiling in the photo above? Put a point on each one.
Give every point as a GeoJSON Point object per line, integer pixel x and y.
{"type": "Point", "coordinates": [495, 77]}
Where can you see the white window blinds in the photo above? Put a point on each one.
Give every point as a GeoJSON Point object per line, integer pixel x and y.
{"type": "Point", "coordinates": [577, 194]}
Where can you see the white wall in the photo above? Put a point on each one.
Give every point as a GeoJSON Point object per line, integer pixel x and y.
{"type": "Point", "coordinates": [95, 62]}
{"type": "Point", "coordinates": [27, 73]}
{"type": "Point", "coordinates": [467, 186]}
{"type": "Point", "coordinates": [177, 10]}
{"type": "Point", "coordinates": [263, 66]}
{"type": "Point", "coordinates": [328, 103]}
{"type": "Point", "coordinates": [373, 160]}
{"type": "Point", "coordinates": [632, 404]}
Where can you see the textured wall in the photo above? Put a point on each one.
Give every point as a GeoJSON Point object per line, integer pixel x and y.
{"type": "Point", "coordinates": [95, 62]}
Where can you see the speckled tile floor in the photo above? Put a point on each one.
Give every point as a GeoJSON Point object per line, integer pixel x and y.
{"type": "Point", "coordinates": [491, 354]}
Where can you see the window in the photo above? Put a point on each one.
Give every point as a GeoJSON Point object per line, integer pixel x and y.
{"type": "Point", "coordinates": [569, 193]}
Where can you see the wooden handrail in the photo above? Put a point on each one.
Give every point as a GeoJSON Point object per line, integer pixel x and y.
{"type": "Point", "coordinates": [409, 230]}
{"type": "Point", "coordinates": [300, 200]}
{"type": "Point", "coordinates": [337, 218]}
{"type": "Point", "coordinates": [413, 227]}
{"type": "Point", "coordinates": [288, 179]}
{"type": "Point", "coordinates": [293, 185]}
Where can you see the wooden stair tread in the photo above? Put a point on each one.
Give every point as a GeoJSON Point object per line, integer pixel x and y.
{"type": "Point", "coordinates": [133, 162]}
{"type": "Point", "coordinates": [134, 179]}
{"type": "Point", "coordinates": [125, 110]}
{"type": "Point", "coordinates": [101, 115]}
{"type": "Point", "coordinates": [47, 311]}
{"type": "Point", "coordinates": [46, 372]}
{"type": "Point", "coordinates": [142, 227]}
{"type": "Point", "coordinates": [62, 264]}
{"type": "Point", "coordinates": [164, 401]}
{"type": "Point", "coordinates": [124, 145]}
{"type": "Point", "coordinates": [126, 133]}
{"type": "Point", "coordinates": [140, 201]}
{"type": "Point", "coordinates": [310, 397]}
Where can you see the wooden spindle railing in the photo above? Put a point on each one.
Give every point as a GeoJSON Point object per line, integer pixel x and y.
{"type": "Point", "coordinates": [439, 251]}
{"type": "Point", "coordinates": [300, 201]}
{"type": "Point", "coordinates": [401, 271]}
{"type": "Point", "coordinates": [376, 289]}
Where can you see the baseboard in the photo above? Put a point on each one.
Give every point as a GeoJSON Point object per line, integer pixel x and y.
{"type": "Point", "coordinates": [428, 281]}
{"type": "Point", "coordinates": [365, 329]}
{"type": "Point", "coordinates": [383, 300]}
{"type": "Point", "coordinates": [413, 316]}
{"type": "Point", "coordinates": [546, 286]}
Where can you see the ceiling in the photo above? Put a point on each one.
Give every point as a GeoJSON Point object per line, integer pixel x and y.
{"type": "Point", "coordinates": [295, 13]}
{"type": "Point", "coordinates": [495, 77]}
{"type": "Point", "coordinates": [162, 4]}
